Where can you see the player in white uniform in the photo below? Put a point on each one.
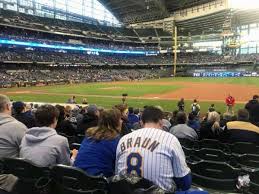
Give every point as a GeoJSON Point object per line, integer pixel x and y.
{"type": "Point", "coordinates": [154, 154]}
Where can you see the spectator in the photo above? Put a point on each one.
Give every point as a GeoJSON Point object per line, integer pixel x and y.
{"type": "Point", "coordinates": [11, 130]}
{"type": "Point", "coordinates": [253, 108]}
{"type": "Point", "coordinates": [210, 127]}
{"type": "Point", "coordinates": [23, 115]}
{"type": "Point", "coordinates": [97, 152]}
{"type": "Point", "coordinates": [181, 130]}
{"type": "Point", "coordinates": [194, 123]}
{"type": "Point", "coordinates": [195, 108]}
{"type": "Point", "coordinates": [90, 119]}
{"type": "Point", "coordinates": [64, 124]}
{"type": "Point", "coordinates": [84, 101]}
{"type": "Point", "coordinates": [250, 105]}
{"type": "Point", "coordinates": [132, 118]}
{"type": "Point", "coordinates": [230, 102]}
{"type": "Point", "coordinates": [155, 150]}
{"type": "Point", "coordinates": [227, 117]}
{"type": "Point", "coordinates": [181, 105]}
{"type": "Point", "coordinates": [123, 108]}
{"type": "Point", "coordinates": [72, 100]}
{"type": "Point", "coordinates": [242, 130]}
{"type": "Point", "coordinates": [42, 145]}
{"type": "Point", "coordinates": [212, 108]}
{"type": "Point", "coordinates": [173, 119]}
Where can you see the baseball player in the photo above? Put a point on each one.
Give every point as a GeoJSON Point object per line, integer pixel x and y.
{"type": "Point", "coordinates": [154, 154]}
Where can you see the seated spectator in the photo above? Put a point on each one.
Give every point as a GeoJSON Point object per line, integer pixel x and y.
{"type": "Point", "coordinates": [11, 130]}
{"type": "Point", "coordinates": [210, 127]}
{"type": "Point", "coordinates": [194, 123]}
{"type": "Point", "coordinates": [241, 130]}
{"type": "Point", "coordinates": [23, 115]}
{"type": "Point", "coordinates": [173, 119]}
{"type": "Point", "coordinates": [42, 145]}
{"type": "Point", "coordinates": [212, 108]}
{"type": "Point", "coordinates": [132, 118]}
{"type": "Point", "coordinates": [181, 130]}
{"type": "Point", "coordinates": [151, 149]}
{"type": "Point", "coordinates": [123, 108]}
{"type": "Point", "coordinates": [89, 120]}
{"type": "Point", "coordinates": [253, 108]}
{"type": "Point", "coordinates": [227, 117]}
{"type": "Point", "coordinates": [97, 152]}
{"type": "Point", "coordinates": [65, 125]}
{"type": "Point", "coordinates": [250, 105]}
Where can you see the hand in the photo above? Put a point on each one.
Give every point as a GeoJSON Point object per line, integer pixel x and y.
{"type": "Point", "coordinates": [74, 154]}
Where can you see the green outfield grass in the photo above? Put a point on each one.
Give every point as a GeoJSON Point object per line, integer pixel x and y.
{"type": "Point", "coordinates": [134, 89]}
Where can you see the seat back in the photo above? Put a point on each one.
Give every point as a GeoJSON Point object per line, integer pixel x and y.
{"type": "Point", "coordinates": [71, 180]}
{"type": "Point", "coordinates": [75, 146]}
{"type": "Point", "coordinates": [211, 155]}
{"type": "Point", "coordinates": [248, 160]}
{"type": "Point", "coordinates": [28, 174]}
{"type": "Point", "coordinates": [244, 148]}
{"type": "Point", "coordinates": [214, 175]}
{"type": "Point", "coordinates": [214, 144]}
{"type": "Point", "coordinates": [186, 143]}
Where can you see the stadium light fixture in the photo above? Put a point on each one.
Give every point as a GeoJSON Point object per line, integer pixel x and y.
{"type": "Point", "coordinates": [244, 4]}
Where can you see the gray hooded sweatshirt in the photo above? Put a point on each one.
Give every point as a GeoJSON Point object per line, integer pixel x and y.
{"type": "Point", "coordinates": [44, 147]}
{"type": "Point", "coordinates": [11, 134]}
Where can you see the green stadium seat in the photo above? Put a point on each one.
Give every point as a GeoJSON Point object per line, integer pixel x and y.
{"type": "Point", "coordinates": [214, 175]}
{"type": "Point", "coordinates": [254, 184]}
{"type": "Point", "coordinates": [212, 155]}
{"type": "Point", "coordinates": [32, 179]}
{"type": "Point", "coordinates": [248, 160]}
{"type": "Point", "coordinates": [244, 148]}
{"type": "Point", "coordinates": [71, 180]}
{"type": "Point", "coordinates": [214, 144]}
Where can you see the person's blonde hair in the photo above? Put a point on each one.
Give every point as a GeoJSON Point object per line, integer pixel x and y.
{"type": "Point", "coordinates": [214, 117]}
{"type": "Point", "coordinates": [108, 126]}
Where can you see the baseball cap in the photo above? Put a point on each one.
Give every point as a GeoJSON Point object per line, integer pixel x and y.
{"type": "Point", "coordinates": [18, 105]}
{"type": "Point", "coordinates": [92, 109]}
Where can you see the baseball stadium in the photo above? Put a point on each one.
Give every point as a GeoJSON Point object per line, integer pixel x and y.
{"type": "Point", "coordinates": [129, 96]}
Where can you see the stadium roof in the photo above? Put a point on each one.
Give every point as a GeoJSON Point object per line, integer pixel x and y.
{"type": "Point", "coordinates": [134, 11]}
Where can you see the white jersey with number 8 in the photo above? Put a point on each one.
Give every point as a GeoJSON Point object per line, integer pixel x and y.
{"type": "Point", "coordinates": [153, 154]}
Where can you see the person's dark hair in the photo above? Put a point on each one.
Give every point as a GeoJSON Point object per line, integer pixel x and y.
{"type": "Point", "coordinates": [61, 113]}
{"type": "Point", "coordinates": [45, 115]}
{"type": "Point", "coordinates": [136, 111]}
{"type": "Point", "coordinates": [108, 126]}
{"type": "Point", "coordinates": [242, 115]}
{"type": "Point", "coordinates": [255, 97]}
{"type": "Point", "coordinates": [212, 105]}
{"type": "Point", "coordinates": [152, 114]}
{"type": "Point", "coordinates": [181, 117]}
{"type": "Point", "coordinates": [195, 101]}
{"type": "Point", "coordinates": [131, 110]}
{"type": "Point", "coordinates": [191, 116]}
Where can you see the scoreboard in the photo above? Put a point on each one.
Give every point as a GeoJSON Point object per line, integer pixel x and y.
{"type": "Point", "coordinates": [226, 74]}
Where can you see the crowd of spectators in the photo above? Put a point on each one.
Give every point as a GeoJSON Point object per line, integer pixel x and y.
{"type": "Point", "coordinates": [23, 77]}
{"type": "Point", "coordinates": [42, 133]}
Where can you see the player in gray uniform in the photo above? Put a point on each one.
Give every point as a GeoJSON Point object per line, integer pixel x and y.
{"type": "Point", "coordinates": [154, 154]}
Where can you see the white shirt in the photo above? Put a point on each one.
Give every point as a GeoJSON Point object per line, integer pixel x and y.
{"type": "Point", "coordinates": [153, 154]}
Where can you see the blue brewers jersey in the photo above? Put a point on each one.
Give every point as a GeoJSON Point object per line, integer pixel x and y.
{"type": "Point", "coordinates": [153, 154]}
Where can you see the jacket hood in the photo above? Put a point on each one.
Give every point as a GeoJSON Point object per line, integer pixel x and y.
{"type": "Point", "coordinates": [38, 134]}
{"type": "Point", "coordinates": [5, 118]}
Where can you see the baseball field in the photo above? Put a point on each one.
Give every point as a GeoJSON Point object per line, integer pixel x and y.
{"type": "Point", "coordinates": [162, 92]}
